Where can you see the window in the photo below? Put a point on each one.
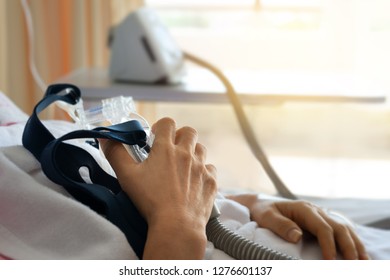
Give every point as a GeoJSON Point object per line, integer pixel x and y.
{"type": "Point", "coordinates": [350, 36]}
{"type": "Point", "coordinates": [223, 15]}
{"type": "Point", "coordinates": [317, 148]}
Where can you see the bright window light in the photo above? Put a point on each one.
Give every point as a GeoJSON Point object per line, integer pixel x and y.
{"type": "Point", "coordinates": [239, 14]}
{"type": "Point", "coordinates": [317, 36]}
{"type": "Point", "coordinates": [281, 46]}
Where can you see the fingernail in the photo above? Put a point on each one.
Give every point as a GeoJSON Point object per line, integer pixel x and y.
{"type": "Point", "coordinates": [294, 235]}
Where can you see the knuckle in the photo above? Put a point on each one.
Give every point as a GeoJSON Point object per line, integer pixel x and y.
{"type": "Point", "coordinates": [212, 169]}
{"type": "Point", "coordinates": [212, 184]}
{"type": "Point", "coordinates": [164, 123]}
{"type": "Point", "coordinates": [328, 229]}
{"type": "Point", "coordinates": [209, 172]}
{"type": "Point", "coordinates": [189, 130]}
{"type": "Point", "coordinates": [305, 204]}
{"type": "Point", "coordinates": [340, 228]}
{"type": "Point", "coordinates": [269, 213]}
{"type": "Point", "coordinates": [184, 155]}
{"type": "Point", "coordinates": [201, 148]}
{"type": "Point", "coordinates": [168, 121]}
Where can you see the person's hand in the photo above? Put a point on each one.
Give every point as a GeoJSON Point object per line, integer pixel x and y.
{"type": "Point", "coordinates": [289, 218]}
{"type": "Point", "coordinates": [173, 189]}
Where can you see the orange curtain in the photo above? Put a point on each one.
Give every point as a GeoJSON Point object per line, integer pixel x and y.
{"type": "Point", "coordinates": [68, 34]}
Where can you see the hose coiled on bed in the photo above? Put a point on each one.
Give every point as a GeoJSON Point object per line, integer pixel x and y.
{"type": "Point", "coordinates": [238, 246]}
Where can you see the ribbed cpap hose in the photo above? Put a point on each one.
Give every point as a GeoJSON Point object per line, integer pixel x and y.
{"type": "Point", "coordinates": [238, 246]}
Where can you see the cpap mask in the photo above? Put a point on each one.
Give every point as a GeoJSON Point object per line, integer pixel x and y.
{"type": "Point", "coordinates": [113, 111]}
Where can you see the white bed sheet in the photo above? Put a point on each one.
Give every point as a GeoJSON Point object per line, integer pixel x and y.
{"type": "Point", "coordinates": [39, 219]}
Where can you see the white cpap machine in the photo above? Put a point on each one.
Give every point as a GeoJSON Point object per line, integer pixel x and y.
{"type": "Point", "coordinates": [143, 51]}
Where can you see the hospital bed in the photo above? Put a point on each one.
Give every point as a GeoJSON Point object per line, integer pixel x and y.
{"type": "Point", "coordinates": [40, 220]}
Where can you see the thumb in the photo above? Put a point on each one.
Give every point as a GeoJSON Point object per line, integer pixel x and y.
{"type": "Point", "coordinates": [116, 155]}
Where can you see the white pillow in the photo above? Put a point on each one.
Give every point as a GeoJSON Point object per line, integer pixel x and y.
{"type": "Point", "coordinates": [9, 112]}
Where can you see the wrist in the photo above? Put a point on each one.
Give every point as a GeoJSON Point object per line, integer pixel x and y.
{"type": "Point", "coordinates": [248, 200]}
{"type": "Point", "coordinates": [175, 238]}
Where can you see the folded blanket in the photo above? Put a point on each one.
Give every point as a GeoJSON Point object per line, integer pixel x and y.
{"type": "Point", "coordinates": [39, 220]}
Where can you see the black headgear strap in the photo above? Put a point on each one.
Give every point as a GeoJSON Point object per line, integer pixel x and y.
{"type": "Point", "coordinates": [61, 163]}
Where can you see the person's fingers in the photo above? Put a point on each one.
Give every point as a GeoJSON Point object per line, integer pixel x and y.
{"type": "Point", "coordinates": [317, 225]}
{"type": "Point", "coordinates": [277, 222]}
{"type": "Point", "coordinates": [288, 218]}
{"type": "Point", "coordinates": [116, 155]}
{"type": "Point", "coordinates": [187, 138]}
{"type": "Point", "coordinates": [347, 241]}
{"type": "Point", "coordinates": [362, 253]}
{"type": "Point", "coordinates": [280, 225]}
{"type": "Point", "coordinates": [164, 131]}
{"type": "Point", "coordinates": [346, 244]}
{"type": "Point", "coordinates": [308, 217]}
{"type": "Point", "coordinates": [200, 152]}
{"type": "Point", "coordinates": [212, 170]}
